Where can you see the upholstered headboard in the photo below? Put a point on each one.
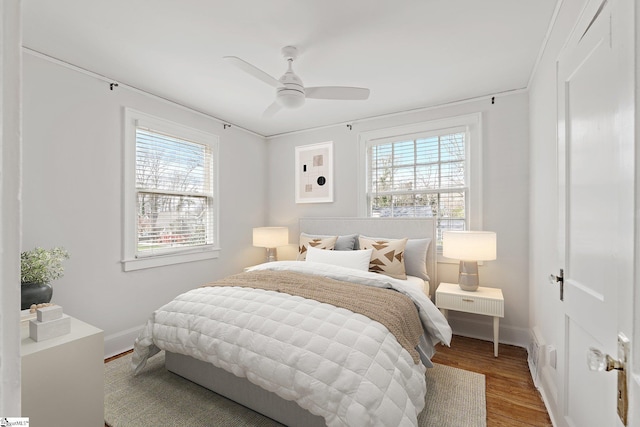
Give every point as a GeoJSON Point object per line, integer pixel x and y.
{"type": "Point", "coordinates": [413, 228]}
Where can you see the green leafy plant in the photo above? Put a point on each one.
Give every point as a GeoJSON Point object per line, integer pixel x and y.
{"type": "Point", "coordinates": [40, 265]}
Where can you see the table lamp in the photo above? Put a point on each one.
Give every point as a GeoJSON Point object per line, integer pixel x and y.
{"type": "Point", "coordinates": [270, 238]}
{"type": "Point", "coordinates": [469, 247]}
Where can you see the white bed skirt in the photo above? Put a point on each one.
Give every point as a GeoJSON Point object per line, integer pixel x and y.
{"type": "Point", "coordinates": [241, 390]}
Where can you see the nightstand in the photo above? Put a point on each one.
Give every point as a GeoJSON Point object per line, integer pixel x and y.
{"type": "Point", "coordinates": [485, 301]}
{"type": "Point", "coordinates": [63, 377]}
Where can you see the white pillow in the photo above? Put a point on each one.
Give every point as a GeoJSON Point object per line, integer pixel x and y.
{"type": "Point", "coordinates": [358, 260]}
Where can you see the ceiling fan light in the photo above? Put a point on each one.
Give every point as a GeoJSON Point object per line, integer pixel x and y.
{"type": "Point", "coordinates": [290, 98]}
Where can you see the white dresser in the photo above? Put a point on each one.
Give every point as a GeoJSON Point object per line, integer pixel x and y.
{"type": "Point", "coordinates": [63, 378]}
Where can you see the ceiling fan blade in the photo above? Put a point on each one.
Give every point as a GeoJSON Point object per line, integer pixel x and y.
{"type": "Point", "coordinates": [271, 110]}
{"type": "Point", "coordinates": [336, 92]}
{"type": "Point", "coordinates": [253, 70]}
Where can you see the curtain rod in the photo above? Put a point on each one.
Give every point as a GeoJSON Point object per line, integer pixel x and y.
{"type": "Point", "coordinates": [119, 84]}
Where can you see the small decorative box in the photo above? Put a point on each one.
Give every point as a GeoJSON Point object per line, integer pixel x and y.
{"type": "Point", "coordinates": [50, 323]}
{"type": "Point", "coordinates": [49, 313]}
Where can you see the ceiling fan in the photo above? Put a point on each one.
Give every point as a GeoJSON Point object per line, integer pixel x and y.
{"type": "Point", "coordinates": [290, 92]}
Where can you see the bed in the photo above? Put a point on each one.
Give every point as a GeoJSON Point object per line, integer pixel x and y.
{"type": "Point", "coordinates": [288, 340]}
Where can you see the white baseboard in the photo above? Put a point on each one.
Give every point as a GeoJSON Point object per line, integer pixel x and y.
{"type": "Point", "coordinates": [549, 393]}
{"type": "Point", "coordinates": [634, 400]}
{"type": "Point", "coordinates": [120, 342]}
{"type": "Point", "coordinates": [483, 329]}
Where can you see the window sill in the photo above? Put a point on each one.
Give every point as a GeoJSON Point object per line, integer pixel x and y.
{"type": "Point", "coordinates": [443, 260]}
{"type": "Point", "coordinates": [164, 260]}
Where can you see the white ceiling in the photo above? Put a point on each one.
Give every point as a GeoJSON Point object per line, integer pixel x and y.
{"type": "Point", "coordinates": [410, 53]}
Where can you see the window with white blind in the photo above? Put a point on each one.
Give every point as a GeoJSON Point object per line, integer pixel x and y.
{"type": "Point", "coordinates": [170, 192]}
{"type": "Point", "coordinates": [430, 169]}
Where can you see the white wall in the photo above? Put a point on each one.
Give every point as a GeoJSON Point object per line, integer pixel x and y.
{"type": "Point", "coordinates": [10, 165]}
{"type": "Point", "coordinates": [72, 197]}
{"type": "Point", "coordinates": [545, 314]}
{"type": "Point", "coordinates": [505, 197]}
{"type": "Point", "coordinates": [546, 311]}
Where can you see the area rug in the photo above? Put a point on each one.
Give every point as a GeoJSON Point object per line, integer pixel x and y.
{"type": "Point", "coordinates": [157, 397]}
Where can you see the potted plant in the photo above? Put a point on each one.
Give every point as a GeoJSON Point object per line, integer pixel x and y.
{"type": "Point", "coordinates": [38, 268]}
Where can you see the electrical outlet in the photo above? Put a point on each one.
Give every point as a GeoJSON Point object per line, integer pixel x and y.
{"type": "Point", "coordinates": [552, 356]}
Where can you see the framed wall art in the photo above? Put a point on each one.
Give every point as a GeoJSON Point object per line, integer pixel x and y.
{"type": "Point", "coordinates": [314, 173]}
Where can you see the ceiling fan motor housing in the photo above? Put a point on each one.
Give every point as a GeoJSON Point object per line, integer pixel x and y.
{"type": "Point", "coordinates": [292, 94]}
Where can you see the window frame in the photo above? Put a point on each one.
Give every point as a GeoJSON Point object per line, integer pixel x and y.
{"type": "Point", "coordinates": [131, 261]}
{"type": "Point", "coordinates": [471, 123]}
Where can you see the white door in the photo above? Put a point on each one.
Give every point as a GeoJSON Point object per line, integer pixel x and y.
{"type": "Point", "coordinates": [593, 251]}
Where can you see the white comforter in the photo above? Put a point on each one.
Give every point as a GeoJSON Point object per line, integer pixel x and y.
{"type": "Point", "coordinates": [334, 363]}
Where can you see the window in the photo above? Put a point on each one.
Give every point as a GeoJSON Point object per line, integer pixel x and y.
{"type": "Point", "coordinates": [170, 193]}
{"type": "Point", "coordinates": [425, 170]}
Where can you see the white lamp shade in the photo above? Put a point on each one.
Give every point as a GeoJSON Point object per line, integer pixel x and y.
{"type": "Point", "coordinates": [270, 237]}
{"type": "Point", "coordinates": [469, 245]}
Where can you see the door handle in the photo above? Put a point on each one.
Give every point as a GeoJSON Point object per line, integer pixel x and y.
{"type": "Point", "coordinates": [558, 279]}
{"type": "Point", "coordinates": [598, 361]}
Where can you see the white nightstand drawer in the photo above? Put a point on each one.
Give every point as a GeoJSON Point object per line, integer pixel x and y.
{"type": "Point", "coordinates": [470, 304]}
{"type": "Point", "coordinates": [486, 301]}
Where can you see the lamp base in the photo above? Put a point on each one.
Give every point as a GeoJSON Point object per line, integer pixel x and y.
{"type": "Point", "coordinates": [468, 276]}
{"type": "Point", "coordinates": [272, 254]}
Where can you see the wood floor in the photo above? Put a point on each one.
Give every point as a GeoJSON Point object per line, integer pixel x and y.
{"type": "Point", "coordinates": [512, 399]}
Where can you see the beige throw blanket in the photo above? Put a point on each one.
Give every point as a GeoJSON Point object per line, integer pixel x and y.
{"type": "Point", "coordinates": [392, 309]}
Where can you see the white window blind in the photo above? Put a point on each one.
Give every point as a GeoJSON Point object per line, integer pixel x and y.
{"type": "Point", "coordinates": [424, 169]}
{"type": "Point", "coordinates": [170, 193]}
{"type": "Point", "coordinates": [174, 193]}
{"type": "Point", "coordinates": [423, 175]}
